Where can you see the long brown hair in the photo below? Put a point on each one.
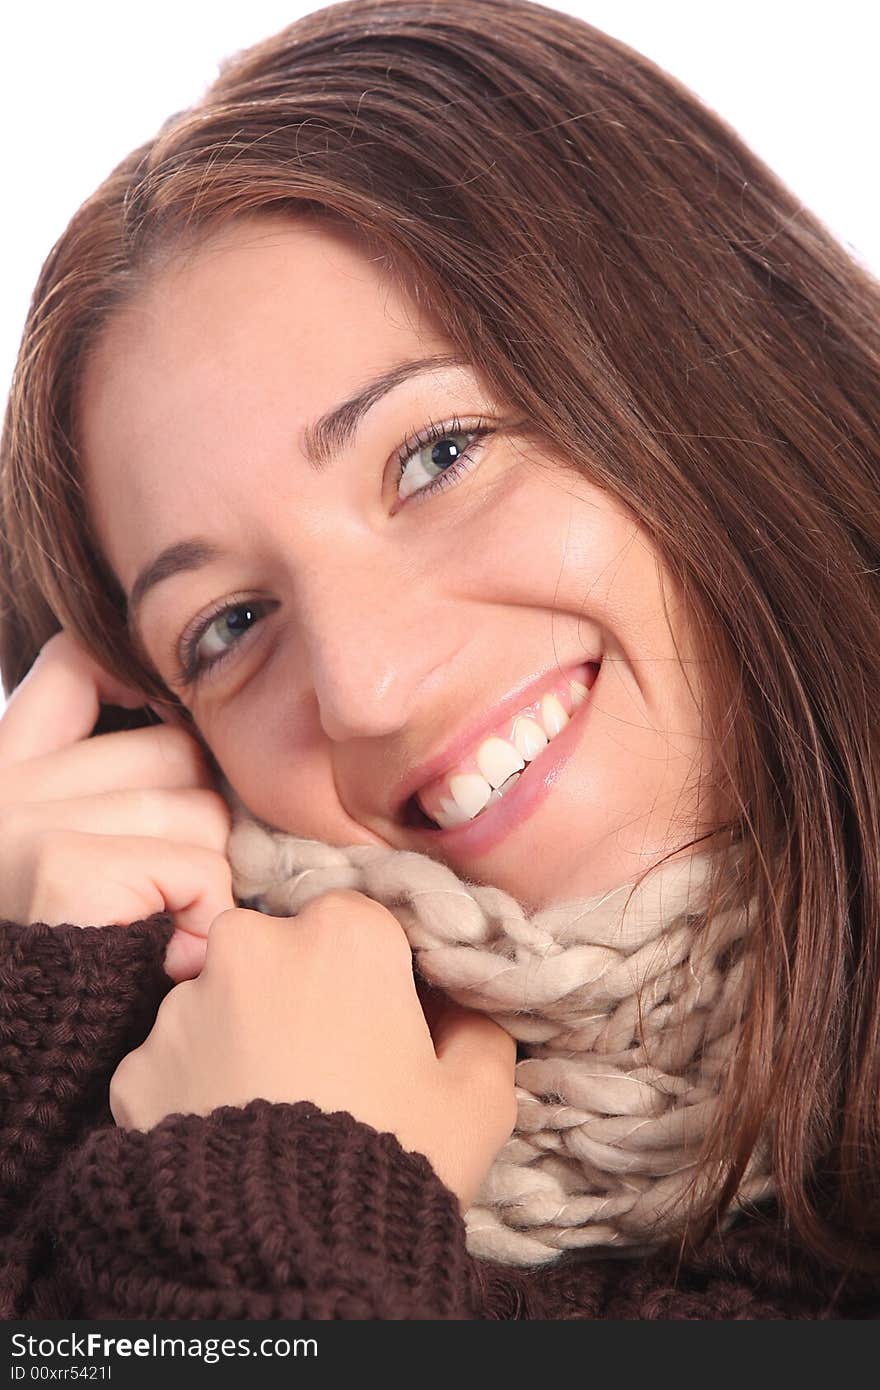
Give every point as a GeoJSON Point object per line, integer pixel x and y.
{"type": "Point", "coordinates": [673, 324]}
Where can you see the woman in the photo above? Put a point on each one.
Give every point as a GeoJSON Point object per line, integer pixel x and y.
{"type": "Point", "coordinates": [414, 401]}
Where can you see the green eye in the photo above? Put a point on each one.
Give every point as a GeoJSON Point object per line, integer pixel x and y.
{"type": "Point", "coordinates": [228, 626]}
{"type": "Point", "coordinates": [438, 457]}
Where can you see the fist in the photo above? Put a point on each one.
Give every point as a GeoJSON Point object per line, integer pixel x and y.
{"type": "Point", "coordinates": [324, 1007]}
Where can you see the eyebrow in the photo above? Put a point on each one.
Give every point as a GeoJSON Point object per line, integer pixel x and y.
{"type": "Point", "coordinates": [322, 442]}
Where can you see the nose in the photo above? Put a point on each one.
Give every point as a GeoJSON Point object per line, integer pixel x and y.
{"type": "Point", "coordinates": [370, 644]}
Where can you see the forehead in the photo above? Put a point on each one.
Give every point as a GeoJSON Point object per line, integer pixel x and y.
{"type": "Point", "coordinates": [233, 346]}
{"type": "Point", "coordinates": [293, 278]}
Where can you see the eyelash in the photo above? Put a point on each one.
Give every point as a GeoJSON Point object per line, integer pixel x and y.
{"type": "Point", "coordinates": [193, 670]}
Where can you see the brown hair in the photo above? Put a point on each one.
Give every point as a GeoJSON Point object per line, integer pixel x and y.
{"type": "Point", "coordinates": [673, 324]}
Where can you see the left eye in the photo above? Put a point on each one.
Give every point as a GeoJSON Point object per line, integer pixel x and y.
{"type": "Point", "coordinates": [217, 636]}
{"type": "Point", "coordinates": [229, 627]}
{"type": "Point", "coordinates": [437, 457]}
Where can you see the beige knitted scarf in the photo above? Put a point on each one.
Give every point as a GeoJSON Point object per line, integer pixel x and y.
{"type": "Point", "coordinates": [624, 1013]}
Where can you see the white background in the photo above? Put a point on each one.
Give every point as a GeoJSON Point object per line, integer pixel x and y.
{"type": "Point", "coordinates": [82, 83]}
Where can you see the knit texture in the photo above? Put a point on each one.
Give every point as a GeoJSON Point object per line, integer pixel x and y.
{"type": "Point", "coordinates": [263, 1233]}
{"type": "Point", "coordinates": [72, 1002]}
{"type": "Point", "coordinates": [279, 1210]}
{"type": "Point", "coordinates": [625, 1005]}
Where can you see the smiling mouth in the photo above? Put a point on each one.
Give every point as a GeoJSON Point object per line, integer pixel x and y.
{"type": "Point", "coordinates": [467, 794]}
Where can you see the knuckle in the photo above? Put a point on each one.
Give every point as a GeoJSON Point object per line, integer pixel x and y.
{"type": "Point", "coordinates": [333, 901]}
{"type": "Point", "coordinates": [120, 1075]}
{"type": "Point", "coordinates": [224, 869]}
{"type": "Point", "coordinates": [391, 937]}
{"type": "Point", "coordinates": [175, 745]}
{"type": "Point", "coordinates": [496, 1064]}
{"type": "Point", "coordinates": [64, 649]}
{"type": "Point", "coordinates": [227, 930]}
{"type": "Point", "coordinates": [328, 915]}
{"type": "Point", "coordinates": [350, 905]}
{"type": "Point", "coordinates": [214, 814]}
{"type": "Point", "coordinates": [493, 1097]}
{"type": "Point", "coordinates": [348, 912]}
{"type": "Point", "coordinates": [121, 1086]}
{"type": "Point", "coordinates": [150, 811]}
{"type": "Point", "coordinates": [176, 999]}
{"type": "Point", "coordinates": [221, 870]}
{"type": "Point", "coordinates": [61, 646]}
{"type": "Point", "coordinates": [170, 1026]}
{"type": "Point", "coordinates": [178, 815]}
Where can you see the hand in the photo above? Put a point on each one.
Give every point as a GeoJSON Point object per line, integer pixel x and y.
{"type": "Point", "coordinates": [324, 1007]}
{"type": "Point", "coordinates": [108, 830]}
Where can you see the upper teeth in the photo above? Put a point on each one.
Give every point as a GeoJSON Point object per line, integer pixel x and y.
{"type": "Point", "coordinates": [499, 759]}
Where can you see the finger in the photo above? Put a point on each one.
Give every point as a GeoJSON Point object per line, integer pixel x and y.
{"type": "Point", "coordinates": [434, 1003]}
{"type": "Point", "coordinates": [160, 757]}
{"type": "Point", "coordinates": [190, 816]}
{"type": "Point", "coordinates": [464, 1039]}
{"type": "Point", "coordinates": [140, 877]}
{"type": "Point", "coordinates": [58, 702]}
{"type": "Point", "coordinates": [185, 956]}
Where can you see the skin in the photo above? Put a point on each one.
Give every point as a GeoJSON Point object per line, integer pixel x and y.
{"type": "Point", "coordinates": [342, 1023]}
{"type": "Point", "coordinates": [394, 624]}
{"type": "Point", "coordinates": [107, 831]}
{"type": "Point", "coordinates": [386, 625]}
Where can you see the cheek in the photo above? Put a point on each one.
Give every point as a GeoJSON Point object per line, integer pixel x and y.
{"type": "Point", "coordinates": [524, 537]}
{"type": "Point", "coordinates": [281, 771]}
{"type": "Point", "coordinates": [278, 780]}
{"type": "Point", "coordinates": [567, 547]}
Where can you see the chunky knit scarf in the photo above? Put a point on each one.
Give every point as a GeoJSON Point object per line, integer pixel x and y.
{"type": "Point", "coordinates": [625, 1014]}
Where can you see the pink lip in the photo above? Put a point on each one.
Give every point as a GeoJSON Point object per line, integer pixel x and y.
{"type": "Point", "coordinates": [489, 828]}
{"type": "Point", "coordinates": [463, 742]}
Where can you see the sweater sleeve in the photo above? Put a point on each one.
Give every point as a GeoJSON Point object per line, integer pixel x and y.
{"type": "Point", "coordinates": [73, 1002]}
{"type": "Point", "coordinates": [261, 1211]}
{"type": "Point", "coordinates": [269, 1210]}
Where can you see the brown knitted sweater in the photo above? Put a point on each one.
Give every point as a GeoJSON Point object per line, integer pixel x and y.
{"type": "Point", "coordinates": [275, 1210]}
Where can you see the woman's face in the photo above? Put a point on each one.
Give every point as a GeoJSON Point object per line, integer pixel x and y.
{"type": "Point", "coordinates": [376, 638]}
